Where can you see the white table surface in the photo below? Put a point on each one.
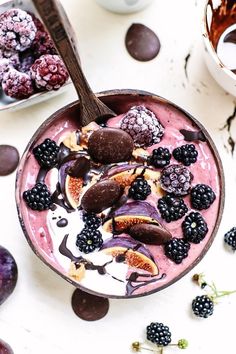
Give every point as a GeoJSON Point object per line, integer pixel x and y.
{"type": "Point", "coordinates": [38, 318]}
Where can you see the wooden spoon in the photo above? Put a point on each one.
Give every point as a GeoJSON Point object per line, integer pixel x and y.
{"type": "Point", "coordinates": [58, 26]}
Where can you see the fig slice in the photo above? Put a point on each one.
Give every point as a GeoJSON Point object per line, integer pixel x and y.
{"type": "Point", "coordinates": [130, 252]}
{"type": "Point", "coordinates": [128, 174]}
{"type": "Point", "coordinates": [131, 214]}
{"type": "Point", "coordinates": [71, 187]}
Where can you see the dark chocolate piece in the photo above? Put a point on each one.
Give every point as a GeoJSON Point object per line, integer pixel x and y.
{"type": "Point", "coordinates": [101, 196]}
{"type": "Point", "coordinates": [89, 307]}
{"type": "Point", "coordinates": [110, 145]}
{"type": "Point", "coordinates": [141, 42]}
{"type": "Point", "coordinates": [80, 168]}
{"type": "Point", "coordinates": [9, 159]}
{"type": "Point", "coordinates": [193, 136]}
{"type": "Point", "coordinates": [230, 37]}
{"type": "Point", "coordinates": [62, 222]}
{"type": "Point", "coordinates": [150, 234]}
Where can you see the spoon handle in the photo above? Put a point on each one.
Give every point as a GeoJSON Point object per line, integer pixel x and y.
{"type": "Point", "coordinates": [57, 25]}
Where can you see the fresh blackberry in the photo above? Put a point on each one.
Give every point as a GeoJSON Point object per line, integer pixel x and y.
{"type": "Point", "coordinates": [202, 196]}
{"type": "Point", "coordinates": [89, 239]}
{"type": "Point", "coordinates": [203, 306]}
{"type": "Point", "coordinates": [139, 189]}
{"type": "Point", "coordinates": [91, 220]}
{"type": "Point", "coordinates": [46, 153]}
{"type": "Point", "coordinates": [194, 227]}
{"type": "Point", "coordinates": [160, 157]}
{"type": "Point", "coordinates": [38, 198]}
{"type": "Point", "coordinates": [177, 249]}
{"type": "Point", "coordinates": [230, 238]}
{"type": "Point", "coordinates": [187, 154]}
{"type": "Point", "coordinates": [159, 334]}
{"type": "Point", "coordinates": [171, 208]}
{"type": "Point", "coordinates": [176, 179]}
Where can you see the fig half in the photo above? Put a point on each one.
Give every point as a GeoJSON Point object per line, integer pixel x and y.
{"type": "Point", "coordinates": [131, 214]}
{"type": "Point", "coordinates": [8, 274]}
{"type": "Point", "coordinates": [128, 251]}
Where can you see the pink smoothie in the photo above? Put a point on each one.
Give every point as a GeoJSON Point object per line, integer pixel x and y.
{"type": "Point", "coordinates": [46, 237]}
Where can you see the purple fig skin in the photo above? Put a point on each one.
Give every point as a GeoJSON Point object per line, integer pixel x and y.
{"type": "Point", "coordinates": [138, 208]}
{"type": "Point", "coordinates": [8, 274]}
{"type": "Point", "coordinates": [127, 243]}
{"type": "Point", "coordinates": [5, 348]}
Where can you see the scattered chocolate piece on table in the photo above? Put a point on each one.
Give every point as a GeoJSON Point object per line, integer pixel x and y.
{"type": "Point", "coordinates": [141, 42]}
{"type": "Point", "coordinates": [9, 159]}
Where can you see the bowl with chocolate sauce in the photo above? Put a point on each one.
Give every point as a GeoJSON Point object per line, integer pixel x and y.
{"type": "Point", "coordinates": [125, 208]}
{"type": "Point", "coordinates": [219, 36]}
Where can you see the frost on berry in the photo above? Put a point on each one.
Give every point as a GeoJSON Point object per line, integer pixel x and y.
{"type": "Point", "coordinates": [16, 84]}
{"type": "Point", "coordinates": [49, 72]}
{"type": "Point", "coordinates": [17, 30]}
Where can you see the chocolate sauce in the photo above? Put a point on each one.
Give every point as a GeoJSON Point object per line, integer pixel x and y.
{"type": "Point", "coordinates": [193, 136]}
{"type": "Point", "coordinates": [230, 37]}
{"type": "Point", "coordinates": [133, 278]}
{"type": "Point", "coordinates": [41, 175]}
{"type": "Point", "coordinates": [101, 269]}
{"type": "Point", "coordinates": [62, 222]}
{"type": "Point", "coordinates": [64, 151]}
{"type": "Point", "coordinates": [60, 201]}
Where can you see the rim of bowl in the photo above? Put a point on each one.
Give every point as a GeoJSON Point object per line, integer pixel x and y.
{"type": "Point", "coordinates": [137, 93]}
{"type": "Point", "coordinates": [210, 47]}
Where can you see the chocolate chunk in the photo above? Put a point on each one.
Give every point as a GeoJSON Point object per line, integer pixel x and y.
{"type": "Point", "coordinates": [193, 136]}
{"type": "Point", "coordinates": [109, 145]}
{"type": "Point", "coordinates": [101, 196]}
{"type": "Point", "coordinates": [230, 37]}
{"type": "Point", "coordinates": [150, 234]}
{"type": "Point", "coordinates": [89, 307]}
{"type": "Point", "coordinates": [62, 222]}
{"type": "Point", "coordinates": [9, 159]}
{"type": "Point", "coordinates": [80, 167]}
{"type": "Point", "coordinates": [141, 42]}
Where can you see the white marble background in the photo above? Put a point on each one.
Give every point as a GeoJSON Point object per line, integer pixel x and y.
{"type": "Point", "coordinates": [38, 317]}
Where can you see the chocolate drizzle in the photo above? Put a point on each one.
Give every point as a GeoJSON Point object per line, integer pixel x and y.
{"type": "Point", "coordinates": [134, 278]}
{"type": "Point", "coordinates": [80, 168]}
{"type": "Point", "coordinates": [186, 60]}
{"type": "Point", "coordinates": [62, 222]}
{"type": "Point", "coordinates": [64, 250]}
{"type": "Point", "coordinates": [60, 201]}
{"type": "Point", "coordinates": [41, 175]}
{"type": "Point", "coordinates": [193, 135]}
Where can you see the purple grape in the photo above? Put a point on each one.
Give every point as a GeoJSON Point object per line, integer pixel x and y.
{"type": "Point", "coordinates": [5, 348]}
{"type": "Point", "coordinates": [8, 274]}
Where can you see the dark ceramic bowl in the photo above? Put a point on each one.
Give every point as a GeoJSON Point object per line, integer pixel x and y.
{"type": "Point", "coordinates": [45, 244]}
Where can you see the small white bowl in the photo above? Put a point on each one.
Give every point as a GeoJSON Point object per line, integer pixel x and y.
{"type": "Point", "coordinates": [223, 75]}
{"type": "Point", "coordinates": [124, 6]}
{"type": "Point", "coordinates": [8, 103]}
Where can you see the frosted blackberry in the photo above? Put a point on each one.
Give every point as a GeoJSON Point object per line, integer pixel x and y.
{"type": "Point", "coordinates": [187, 154]}
{"type": "Point", "coordinates": [176, 179]}
{"type": "Point", "coordinates": [46, 153]}
{"type": "Point", "coordinates": [89, 239]}
{"type": "Point", "coordinates": [177, 249]}
{"type": "Point", "coordinates": [139, 189]}
{"type": "Point", "coordinates": [158, 334]}
{"type": "Point", "coordinates": [38, 198]}
{"type": "Point", "coordinates": [202, 196]}
{"type": "Point", "coordinates": [171, 208]}
{"type": "Point", "coordinates": [91, 220]}
{"type": "Point", "coordinates": [230, 238]}
{"type": "Point", "coordinates": [16, 84]}
{"type": "Point", "coordinates": [17, 30]}
{"type": "Point", "coordinates": [13, 57]}
{"type": "Point", "coordinates": [160, 157]}
{"type": "Point", "coordinates": [203, 306]}
{"type": "Point", "coordinates": [194, 227]}
{"type": "Point", "coordinates": [49, 72]}
{"type": "Point", "coordinates": [143, 126]}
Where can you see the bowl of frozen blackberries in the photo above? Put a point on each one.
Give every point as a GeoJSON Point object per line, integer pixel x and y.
{"type": "Point", "coordinates": [29, 63]}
